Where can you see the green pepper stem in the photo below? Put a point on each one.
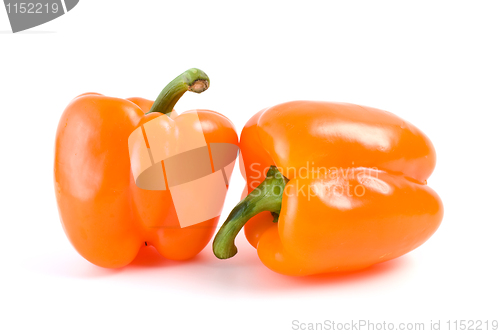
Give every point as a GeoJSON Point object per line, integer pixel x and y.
{"type": "Point", "coordinates": [266, 197]}
{"type": "Point", "coordinates": [194, 80]}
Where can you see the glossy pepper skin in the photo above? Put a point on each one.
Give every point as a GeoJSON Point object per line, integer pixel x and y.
{"type": "Point", "coordinates": [105, 215]}
{"type": "Point", "coordinates": [353, 183]}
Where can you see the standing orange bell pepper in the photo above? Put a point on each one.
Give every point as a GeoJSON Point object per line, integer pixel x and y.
{"type": "Point", "coordinates": [106, 214]}
{"type": "Point", "coordinates": [346, 188]}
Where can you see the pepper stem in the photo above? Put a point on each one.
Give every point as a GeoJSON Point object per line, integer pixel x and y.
{"type": "Point", "coordinates": [194, 80]}
{"type": "Point", "coordinates": [266, 197]}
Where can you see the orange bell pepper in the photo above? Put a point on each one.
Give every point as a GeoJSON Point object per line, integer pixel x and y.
{"type": "Point", "coordinates": [346, 188]}
{"type": "Point", "coordinates": [105, 215]}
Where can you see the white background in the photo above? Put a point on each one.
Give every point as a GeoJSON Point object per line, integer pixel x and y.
{"type": "Point", "coordinates": [435, 64]}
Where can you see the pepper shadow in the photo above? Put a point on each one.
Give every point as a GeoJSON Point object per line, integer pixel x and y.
{"type": "Point", "coordinates": [246, 274]}
{"type": "Point", "coordinates": [72, 265]}
{"type": "Point", "coordinates": [378, 270]}
{"type": "Point", "coordinates": [242, 275]}
{"type": "Point", "coordinates": [148, 258]}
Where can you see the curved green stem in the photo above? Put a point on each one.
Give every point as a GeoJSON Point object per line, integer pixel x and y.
{"type": "Point", "coordinates": [194, 80]}
{"type": "Point", "coordinates": [266, 197]}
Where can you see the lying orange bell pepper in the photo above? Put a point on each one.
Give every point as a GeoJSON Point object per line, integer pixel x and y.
{"type": "Point", "coordinates": [346, 188]}
{"type": "Point", "coordinates": [105, 214]}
